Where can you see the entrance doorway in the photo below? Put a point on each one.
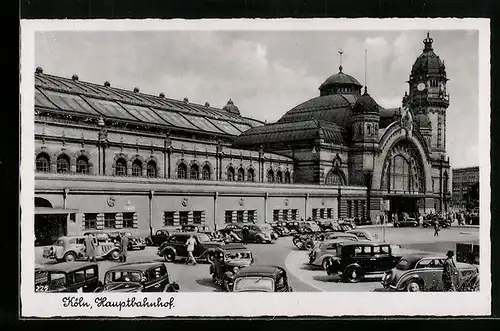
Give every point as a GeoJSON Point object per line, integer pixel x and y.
{"type": "Point", "coordinates": [402, 206]}
{"type": "Point", "coordinates": [49, 227]}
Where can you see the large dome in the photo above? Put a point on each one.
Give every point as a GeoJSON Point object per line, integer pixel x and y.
{"type": "Point", "coordinates": [428, 62]}
{"type": "Point", "coordinates": [340, 83]}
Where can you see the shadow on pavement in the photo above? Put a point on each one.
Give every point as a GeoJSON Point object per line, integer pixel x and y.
{"type": "Point", "coordinates": [381, 289]}
{"type": "Point", "coordinates": [326, 278]}
{"type": "Point", "coordinates": [207, 282]}
{"type": "Point", "coordinates": [310, 267]}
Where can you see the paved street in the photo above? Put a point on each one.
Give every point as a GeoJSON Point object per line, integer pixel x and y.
{"type": "Point", "coordinates": [301, 277]}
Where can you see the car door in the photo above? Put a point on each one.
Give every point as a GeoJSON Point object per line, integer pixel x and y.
{"type": "Point", "coordinates": [438, 274]}
{"type": "Point", "coordinates": [77, 280]}
{"type": "Point", "coordinates": [80, 247]}
{"type": "Point", "coordinates": [179, 243]}
{"type": "Point", "coordinates": [426, 271]}
{"type": "Point", "coordinates": [363, 255]}
{"type": "Point", "coordinates": [91, 279]}
{"type": "Point", "coordinates": [381, 258]}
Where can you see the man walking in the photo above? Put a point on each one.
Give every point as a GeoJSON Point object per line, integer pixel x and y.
{"type": "Point", "coordinates": [190, 243]}
{"type": "Point", "coordinates": [245, 232]}
{"type": "Point", "coordinates": [123, 247]}
{"type": "Point", "coordinates": [90, 245]}
{"type": "Point", "coordinates": [436, 228]}
{"type": "Point", "coordinates": [449, 272]}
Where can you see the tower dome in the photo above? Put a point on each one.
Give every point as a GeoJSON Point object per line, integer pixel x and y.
{"type": "Point", "coordinates": [428, 62]}
{"type": "Point", "coordinates": [365, 104]}
{"type": "Point", "coordinates": [340, 83]}
{"type": "Point", "coordinates": [230, 107]}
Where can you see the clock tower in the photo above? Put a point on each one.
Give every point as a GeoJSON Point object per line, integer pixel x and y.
{"type": "Point", "coordinates": [428, 98]}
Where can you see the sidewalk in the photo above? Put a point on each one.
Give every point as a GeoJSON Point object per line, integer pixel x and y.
{"type": "Point", "coordinates": [390, 225]}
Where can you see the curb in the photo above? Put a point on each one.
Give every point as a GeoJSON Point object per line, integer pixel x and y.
{"type": "Point", "coordinates": [391, 226]}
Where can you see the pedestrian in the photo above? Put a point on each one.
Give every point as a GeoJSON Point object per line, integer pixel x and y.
{"type": "Point", "coordinates": [436, 228]}
{"type": "Point", "coordinates": [420, 220]}
{"type": "Point", "coordinates": [90, 245]}
{"type": "Point", "coordinates": [123, 247]}
{"type": "Point", "coordinates": [245, 233]}
{"type": "Point", "coordinates": [190, 243]}
{"type": "Point", "coordinates": [449, 272]}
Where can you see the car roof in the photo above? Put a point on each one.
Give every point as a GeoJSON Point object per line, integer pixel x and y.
{"type": "Point", "coordinates": [414, 257]}
{"type": "Point", "coordinates": [258, 270]}
{"type": "Point", "coordinates": [233, 246]}
{"type": "Point", "coordinates": [364, 243]}
{"type": "Point", "coordinates": [67, 266]}
{"type": "Point", "coordinates": [140, 266]}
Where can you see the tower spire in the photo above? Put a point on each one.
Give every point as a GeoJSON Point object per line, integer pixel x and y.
{"type": "Point", "coordinates": [366, 70]}
{"type": "Point", "coordinates": [340, 53]}
{"type": "Point", "coordinates": [428, 42]}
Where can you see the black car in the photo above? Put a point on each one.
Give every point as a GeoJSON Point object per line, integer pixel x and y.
{"type": "Point", "coordinates": [407, 222]}
{"type": "Point", "coordinates": [175, 247]}
{"type": "Point", "coordinates": [67, 277]}
{"type": "Point", "coordinates": [357, 259]}
{"type": "Point", "coordinates": [257, 233]}
{"type": "Point", "coordinates": [228, 260]}
{"type": "Point", "coordinates": [134, 242]}
{"type": "Point", "coordinates": [429, 223]}
{"type": "Point", "coordinates": [261, 279]}
{"type": "Point", "coordinates": [138, 277]}
{"type": "Point", "coordinates": [158, 238]}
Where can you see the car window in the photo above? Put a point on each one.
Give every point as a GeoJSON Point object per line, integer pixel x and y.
{"type": "Point", "coordinates": [79, 276]}
{"type": "Point", "coordinates": [425, 263]}
{"type": "Point", "coordinates": [384, 249]}
{"type": "Point", "coordinates": [157, 273]}
{"type": "Point", "coordinates": [332, 247]}
{"type": "Point", "coordinates": [72, 241]}
{"type": "Point", "coordinates": [377, 249]}
{"type": "Point", "coordinates": [438, 263]}
{"type": "Point", "coordinates": [90, 273]}
{"type": "Point", "coordinates": [358, 250]}
{"type": "Point", "coordinates": [57, 280]}
{"type": "Point", "coordinates": [80, 241]}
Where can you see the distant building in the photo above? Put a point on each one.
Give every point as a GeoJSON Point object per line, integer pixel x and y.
{"type": "Point", "coordinates": [462, 180]}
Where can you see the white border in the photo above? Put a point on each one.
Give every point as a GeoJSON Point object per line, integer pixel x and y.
{"type": "Point", "coordinates": [230, 304]}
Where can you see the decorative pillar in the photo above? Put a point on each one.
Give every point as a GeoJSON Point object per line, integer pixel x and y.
{"type": "Point", "coordinates": [306, 203]}
{"type": "Point", "coordinates": [215, 211]}
{"type": "Point", "coordinates": [265, 206]}
{"type": "Point", "coordinates": [102, 144]}
{"type": "Point", "coordinates": [151, 196]}
{"type": "Point", "coordinates": [65, 194]}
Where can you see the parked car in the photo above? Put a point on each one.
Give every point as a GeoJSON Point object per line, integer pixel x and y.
{"type": "Point", "coordinates": [357, 259]}
{"type": "Point", "coordinates": [134, 242]}
{"type": "Point", "coordinates": [257, 233]}
{"type": "Point", "coordinates": [429, 223]}
{"type": "Point", "coordinates": [71, 248]}
{"type": "Point", "coordinates": [309, 227]}
{"type": "Point", "coordinates": [100, 236]}
{"type": "Point", "coordinates": [293, 227]}
{"type": "Point", "coordinates": [423, 272]}
{"type": "Point", "coordinates": [363, 234]}
{"type": "Point", "coordinates": [308, 241]}
{"type": "Point", "coordinates": [228, 260]}
{"type": "Point", "coordinates": [67, 277]}
{"type": "Point", "coordinates": [158, 238]}
{"type": "Point", "coordinates": [280, 228]}
{"type": "Point", "coordinates": [406, 222]}
{"type": "Point", "coordinates": [138, 277]}
{"type": "Point", "coordinates": [323, 251]}
{"type": "Point", "coordinates": [175, 247]}
{"type": "Point", "coordinates": [261, 279]}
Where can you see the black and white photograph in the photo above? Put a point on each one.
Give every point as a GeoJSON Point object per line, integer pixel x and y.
{"type": "Point", "coordinates": [219, 162]}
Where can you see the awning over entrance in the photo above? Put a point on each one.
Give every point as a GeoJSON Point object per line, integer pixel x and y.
{"type": "Point", "coordinates": [53, 211]}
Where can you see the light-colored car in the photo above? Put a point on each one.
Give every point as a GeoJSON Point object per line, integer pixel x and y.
{"type": "Point", "coordinates": [363, 234]}
{"type": "Point", "coordinates": [325, 250]}
{"type": "Point", "coordinates": [423, 272]}
{"type": "Point", "coordinates": [71, 248]}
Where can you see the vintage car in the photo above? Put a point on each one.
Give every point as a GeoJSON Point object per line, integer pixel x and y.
{"type": "Point", "coordinates": [257, 233]}
{"type": "Point", "coordinates": [134, 242]}
{"type": "Point", "coordinates": [175, 247]}
{"type": "Point", "coordinates": [406, 222]}
{"type": "Point", "coordinates": [71, 248]}
{"type": "Point", "coordinates": [357, 259]}
{"type": "Point", "coordinates": [228, 260]}
{"type": "Point", "coordinates": [67, 277]}
{"type": "Point", "coordinates": [280, 229]}
{"type": "Point", "coordinates": [324, 250]}
{"type": "Point", "coordinates": [429, 222]}
{"type": "Point", "coordinates": [363, 234]}
{"type": "Point", "coordinates": [138, 277]}
{"type": "Point", "coordinates": [261, 279]}
{"type": "Point", "coordinates": [158, 238]}
{"type": "Point", "coordinates": [100, 236]}
{"type": "Point", "coordinates": [423, 272]}
{"type": "Point", "coordinates": [309, 227]}
{"type": "Point", "coordinates": [293, 227]}
{"type": "Point", "coordinates": [308, 241]}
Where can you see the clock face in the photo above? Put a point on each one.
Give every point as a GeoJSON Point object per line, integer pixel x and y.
{"type": "Point", "coordinates": [421, 86]}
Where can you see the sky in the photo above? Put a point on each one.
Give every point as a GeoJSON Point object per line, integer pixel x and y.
{"type": "Point", "coordinates": [266, 73]}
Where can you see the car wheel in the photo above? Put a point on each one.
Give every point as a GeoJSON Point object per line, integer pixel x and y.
{"type": "Point", "coordinates": [309, 244]}
{"type": "Point", "coordinates": [413, 286]}
{"type": "Point", "coordinates": [326, 262]}
{"type": "Point", "coordinates": [352, 274]}
{"type": "Point", "coordinates": [169, 256]}
{"type": "Point", "coordinates": [69, 257]}
{"type": "Point", "coordinates": [115, 255]}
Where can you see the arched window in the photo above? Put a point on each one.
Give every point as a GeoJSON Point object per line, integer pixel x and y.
{"type": "Point", "coordinates": [137, 168]}
{"type": "Point", "coordinates": [205, 172]}
{"type": "Point", "coordinates": [333, 178]}
{"type": "Point", "coordinates": [182, 171]}
{"type": "Point", "coordinates": [230, 174]}
{"type": "Point", "coordinates": [194, 172]}
{"type": "Point", "coordinates": [288, 178]}
{"type": "Point", "coordinates": [42, 162]}
{"type": "Point", "coordinates": [399, 174]}
{"type": "Point", "coordinates": [241, 174]}
{"type": "Point", "coordinates": [279, 176]}
{"type": "Point", "coordinates": [121, 167]}
{"type": "Point", "coordinates": [270, 176]}
{"type": "Point", "coordinates": [250, 175]}
{"type": "Point", "coordinates": [82, 165]}
{"type": "Point", "coordinates": [62, 164]}
{"type": "Point", "coordinates": [151, 169]}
